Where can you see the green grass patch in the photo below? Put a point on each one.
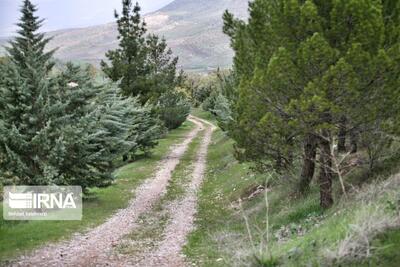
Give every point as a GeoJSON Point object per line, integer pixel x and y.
{"type": "Point", "coordinates": [18, 237]}
{"type": "Point", "coordinates": [300, 231]}
{"type": "Point", "coordinates": [151, 224]}
{"type": "Point", "coordinates": [226, 180]}
{"type": "Point", "coordinates": [388, 254]}
{"type": "Point", "coordinates": [205, 115]}
{"type": "Point", "coordinates": [183, 172]}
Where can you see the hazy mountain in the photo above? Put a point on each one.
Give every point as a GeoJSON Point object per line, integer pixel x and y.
{"type": "Point", "coordinates": [193, 29]}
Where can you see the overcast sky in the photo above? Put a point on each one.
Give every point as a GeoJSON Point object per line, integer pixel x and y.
{"type": "Point", "coordinates": [61, 14]}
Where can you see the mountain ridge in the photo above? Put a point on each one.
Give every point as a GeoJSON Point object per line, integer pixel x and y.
{"type": "Point", "coordinates": [192, 28]}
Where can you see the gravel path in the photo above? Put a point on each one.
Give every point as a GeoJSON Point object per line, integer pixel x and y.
{"type": "Point", "coordinates": [168, 251]}
{"type": "Point", "coordinates": [95, 248]}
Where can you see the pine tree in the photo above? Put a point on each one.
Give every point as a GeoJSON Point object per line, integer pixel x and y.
{"type": "Point", "coordinates": [309, 71]}
{"type": "Point", "coordinates": [92, 142]}
{"type": "Point", "coordinates": [29, 110]}
{"type": "Point", "coordinates": [127, 63]}
{"type": "Point", "coordinates": [162, 67]}
{"type": "Point", "coordinates": [62, 128]}
{"type": "Point", "coordinates": [143, 64]}
{"type": "Point", "coordinates": [76, 85]}
{"type": "Point", "coordinates": [173, 108]}
{"type": "Point", "coordinates": [98, 130]}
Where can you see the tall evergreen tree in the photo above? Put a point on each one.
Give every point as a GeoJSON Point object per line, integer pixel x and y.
{"type": "Point", "coordinates": [127, 63]}
{"type": "Point", "coordinates": [162, 75]}
{"type": "Point", "coordinates": [308, 71]}
{"type": "Point", "coordinates": [142, 63]}
{"type": "Point", "coordinates": [62, 128]}
{"type": "Point", "coordinates": [173, 108]}
{"type": "Point", "coordinates": [29, 111]}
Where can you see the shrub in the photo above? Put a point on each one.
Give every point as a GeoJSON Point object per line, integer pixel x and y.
{"type": "Point", "coordinates": [209, 103]}
{"type": "Point", "coordinates": [147, 129]}
{"type": "Point", "coordinates": [222, 111]}
{"type": "Point", "coordinates": [173, 109]}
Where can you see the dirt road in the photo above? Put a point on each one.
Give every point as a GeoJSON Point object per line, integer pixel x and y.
{"type": "Point", "coordinates": [96, 246]}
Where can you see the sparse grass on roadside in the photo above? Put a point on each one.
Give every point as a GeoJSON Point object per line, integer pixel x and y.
{"type": "Point", "coordinates": [18, 237]}
{"type": "Point", "coordinates": [216, 220]}
{"type": "Point", "coordinates": [151, 224]}
{"type": "Point", "coordinates": [205, 115]}
{"type": "Point", "coordinates": [146, 235]}
{"type": "Point", "coordinates": [182, 173]}
{"type": "Point", "coordinates": [301, 233]}
{"type": "Point", "coordinates": [388, 252]}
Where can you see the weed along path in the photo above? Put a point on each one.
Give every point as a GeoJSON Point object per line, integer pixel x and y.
{"type": "Point", "coordinates": [97, 247]}
{"type": "Point", "coordinates": [168, 251]}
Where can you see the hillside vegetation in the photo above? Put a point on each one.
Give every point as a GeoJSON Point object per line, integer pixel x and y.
{"type": "Point", "coordinates": [100, 204]}
{"type": "Point", "coordinates": [245, 221]}
{"type": "Point", "coordinates": [290, 158]}
{"type": "Point", "coordinates": [311, 105]}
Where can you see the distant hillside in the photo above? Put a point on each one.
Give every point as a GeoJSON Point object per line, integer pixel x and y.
{"type": "Point", "coordinates": [193, 29]}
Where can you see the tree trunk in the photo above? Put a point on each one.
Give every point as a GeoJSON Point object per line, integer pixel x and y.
{"type": "Point", "coordinates": [354, 141]}
{"type": "Point", "coordinates": [325, 175]}
{"type": "Point", "coordinates": [342, 135]}
{"type": "Point", "coordinates": [278, 162]}
{"type": "Point", "coordinates": [308, 169]}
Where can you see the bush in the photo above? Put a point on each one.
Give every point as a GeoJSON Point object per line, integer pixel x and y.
{"type": "Point", "coordinates": [57, 126]}
{"type": "Point", "coordinates": [222, 111]}
{"type": "Point", "coordinates": [147, 129]}
{"type": "Point", "coordinates": [209, 103]}
{"type": "Point", "coordinates": [69, 135]}
{"type": "Point", "coordinates": [173, 109]}
{"type": "Point", "coordinates": [200, 93]}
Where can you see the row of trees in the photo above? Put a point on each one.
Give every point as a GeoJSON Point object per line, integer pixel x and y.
{"type": "Point", "coordinates": [61, 127]}
{"type": "Point", "coordinates": [311, 76]}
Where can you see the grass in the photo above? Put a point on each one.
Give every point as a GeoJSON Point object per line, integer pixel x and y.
{"type": "Point", "coordinates": [182, 173]}
{"type": "Point", "coordinates": [389, 254]}
{"type": "Point", "coordinates": [151, 224]}
{"type": "Point", "coordinates": [225, 180]}
{"type": "Point", "coordinates": [205, 115]}
{"type": "Point", "coordinates": [301, 233]}
{"type": "Point", "coordinates": [18, 237]}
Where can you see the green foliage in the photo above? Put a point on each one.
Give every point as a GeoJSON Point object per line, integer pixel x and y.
{"type": "Point", "coordinates": [387, 254]}
{"type": "Point", "coordinates": [303, 66]}
{"type": "Point", "coordinates": [209, 103]}
{"type": "Point", "coordinates": [162, 65]}
{"type": "Point", "coordinates": [20, 237]}
{"type": "Point", "coordinates": [60, 127]}
{"type": "Point", "coordinates": [147, 129]}
{"type": "Point", "coordinates": [266, 262]}
{"type": "Point", "coordinates": [201, 93]}
{"type": "Point", "coordinates": [29, 112]}
{"type": "Point", "coordinates": [222, 97]}
{"type": "Point", "coordinates": [300, 231]}
{"type": "Point", "coordinates": [173, 109]}
{"type": "Point", "coordinates": [143, 64]}
{"type": "Point", "coordinates": [222, 111]}
{"type": "Point", "coordinates": [200, 87]}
